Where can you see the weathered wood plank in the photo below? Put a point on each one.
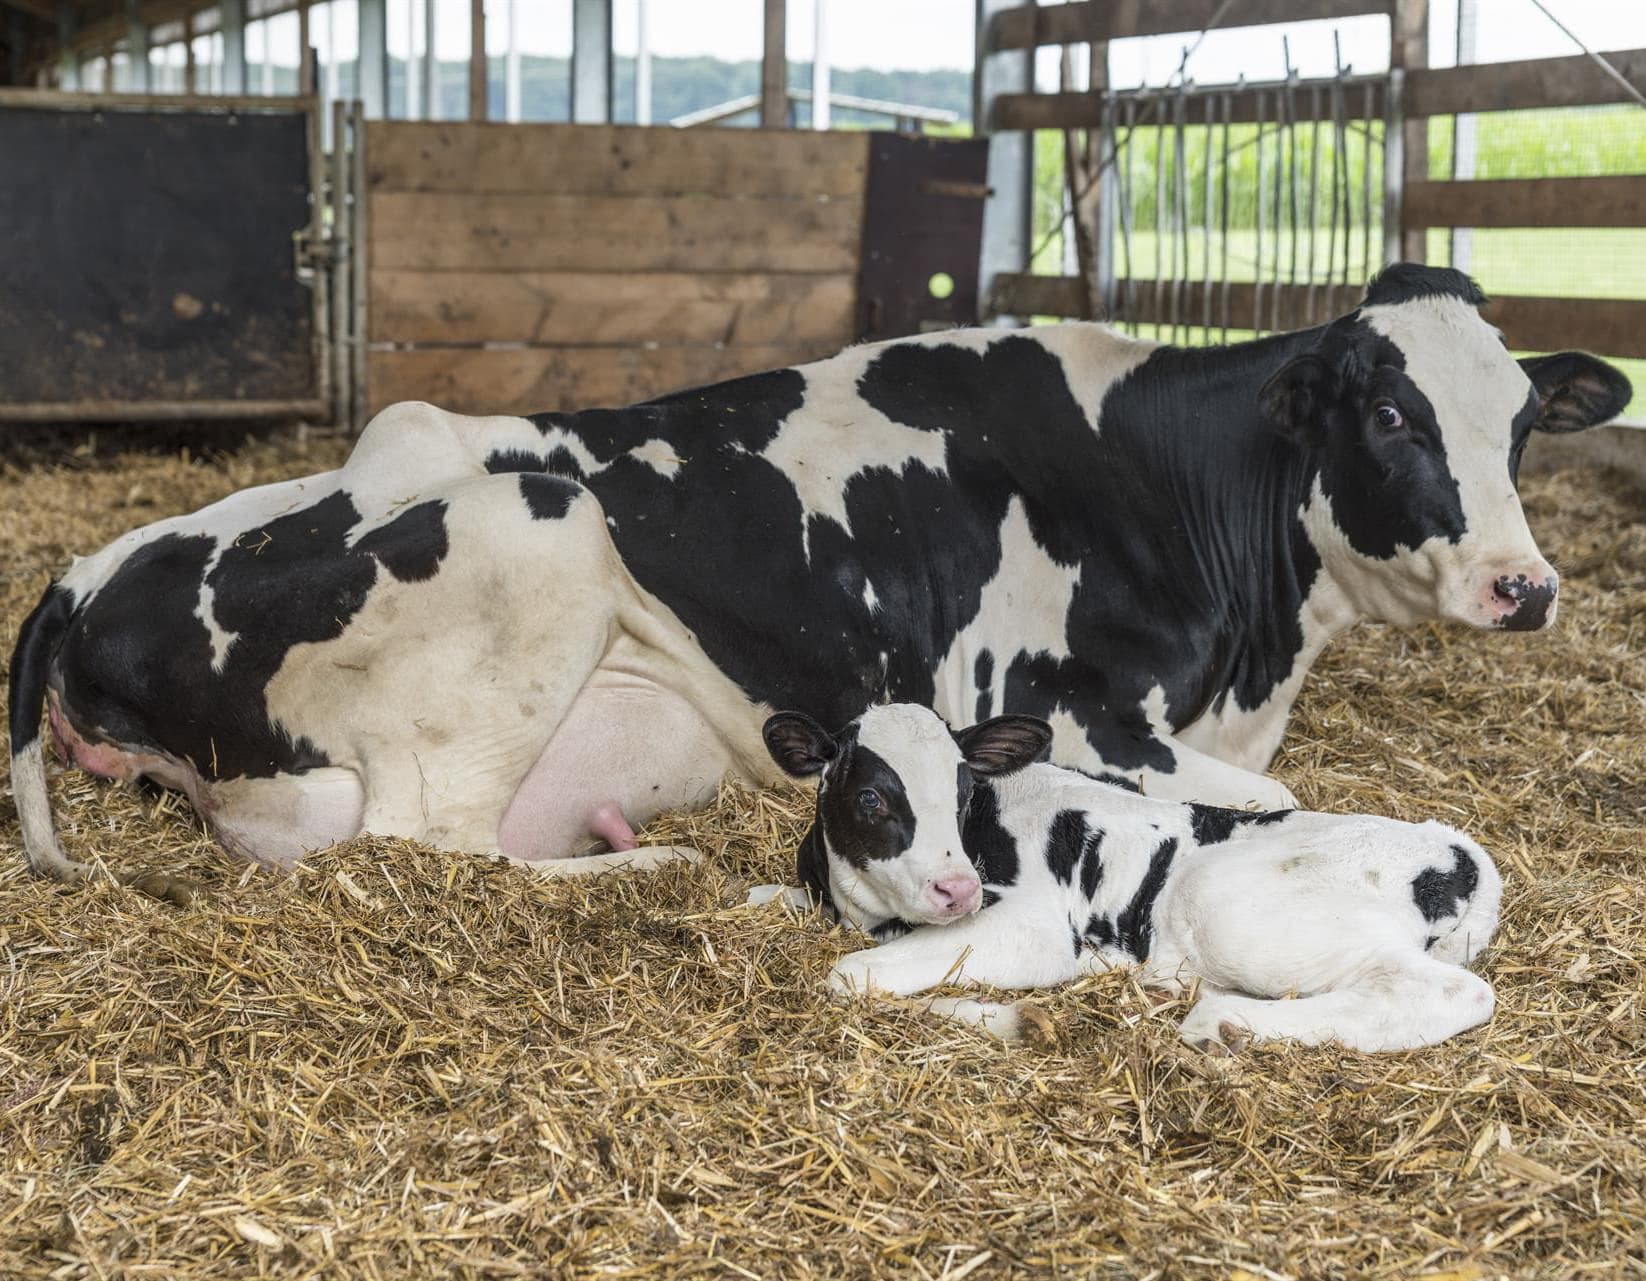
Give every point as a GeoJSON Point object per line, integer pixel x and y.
{"type": "Point", "coordinates": [476, 157]}
{"type": "Point", "coordinates": [1609, 326]}
{"type": "Point", "coordinates": [1525, 85]}
{"type": "Point", "coordinates": [1526, 202]}
{"type": "Point", "coordinates": [532, 379]}
{"type": "Point", "coordinates": [437, 230]}
{"type": "Point", "coordinates": [1098, 20]}
{"type": "Point", "coordinates": [597, 308]}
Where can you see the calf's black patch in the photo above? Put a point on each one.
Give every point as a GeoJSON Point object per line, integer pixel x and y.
{"type": "Point", "coordinates": [992, 849]}
{"type": "Point", "coordinates": [1211, 824]}
{"type": "Point", "coordinates": [1136, 923]}
{"type": "Point", "coordinates": [1440, 894]}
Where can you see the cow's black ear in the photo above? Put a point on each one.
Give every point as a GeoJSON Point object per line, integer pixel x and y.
{"type": "Point", "coordinates": [1295, 398]}
{"type": "Point", "coordinates": [1575, 390]}
{"type": "Point", "coordinates": [1005, 743]}
{"type": "Point", "coordinates": [799, 744]}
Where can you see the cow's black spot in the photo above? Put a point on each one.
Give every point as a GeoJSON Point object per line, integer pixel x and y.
{"type": "Point", "coordinates": [989, 845]}
{"type": "Point", "coordinates": [983, 682]}
{"type": "Point", "coordinates": [1064, 844]}
{"type": "Point", "coordinates": [1211, 824]}
{"type": "Point", "coordinates": [1439, 894]}
{"type": "Point", "coordinates": [547, 497]}
{"type": "Point", "coordinates": [1078, 939]}
{"type": "Point", "coordinates": [1100, 930]}
{"type": "Point", "coordinates": [1136, 923]}
{"type": "Point", "coordinates": [1406, 281]}
{"type": "Point", "coordinates": [1091, 864]}
{"type": "Point", "coordinates": [507, 460]}
{"type": "Point", "coordinates": [412, 545]}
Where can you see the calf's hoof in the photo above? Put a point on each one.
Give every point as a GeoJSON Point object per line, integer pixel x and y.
{"type": "Point", "coordinates": [163, 886]}
{"type": "Point", "coordinates": [1036, 1028]}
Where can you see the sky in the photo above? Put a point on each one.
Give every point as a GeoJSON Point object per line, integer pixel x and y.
{"type": "Point", "coordinates": [931, 34]}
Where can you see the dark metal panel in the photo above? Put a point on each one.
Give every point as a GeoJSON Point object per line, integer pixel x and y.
{"type": "Point", "coordinates": [922, 216]}
{"type": "Point", "coordinates": [152, 259]}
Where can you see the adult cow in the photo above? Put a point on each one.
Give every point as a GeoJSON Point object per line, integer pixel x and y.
{"type": "Point", "coordinates": [1146, 546]}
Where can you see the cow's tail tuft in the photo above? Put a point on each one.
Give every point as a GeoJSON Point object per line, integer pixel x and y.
{"type": "Point", "coordinates": [38, 640]}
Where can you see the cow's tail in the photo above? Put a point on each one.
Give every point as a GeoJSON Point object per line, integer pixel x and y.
{"type": "Point", "coordinates": [42, 633]}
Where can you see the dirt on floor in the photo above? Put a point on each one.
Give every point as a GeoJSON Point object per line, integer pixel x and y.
{"type": "Point", "coordinates": [402, 1064]}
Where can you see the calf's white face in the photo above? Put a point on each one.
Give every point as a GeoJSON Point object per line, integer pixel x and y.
{"type": "Point", "coordinates": [1418, 416]}
{"type": "Point", "coordinates": [892, 788]}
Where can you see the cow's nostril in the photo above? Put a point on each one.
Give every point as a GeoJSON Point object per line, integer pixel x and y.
{"type": "Point", "coordinates": [1512, 589]}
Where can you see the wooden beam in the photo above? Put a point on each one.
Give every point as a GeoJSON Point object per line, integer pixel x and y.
{"type": "Point", "coordinates": [1100, 20]}
{"type": "Point", "coordinates": [477, 60]}
{"type": "Point", "coordinates": [774, 67]}
{"type": "Point", "coordinates": [1526, 202]}
{"type": "Point", "coordinates": [1409, 51]}
{"type": "Point", "coordinates": [1518, 86]}
{"type": "Point", "coordinates": [1610, 326]}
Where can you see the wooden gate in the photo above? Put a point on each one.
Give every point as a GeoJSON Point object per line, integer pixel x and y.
{"type": "Point", "coordinates": [524, 267]}
{"type": "Point", "coordinates": [156, 266]}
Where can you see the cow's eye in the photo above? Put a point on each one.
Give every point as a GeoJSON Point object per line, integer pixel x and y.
{"type": "Point", "coordinates": [868, 800]}
{"type": "Point", "coordinates": [1387, 416]}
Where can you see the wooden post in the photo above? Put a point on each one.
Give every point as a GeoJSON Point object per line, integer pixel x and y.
{"type": "Point", "coordinates": [477, 60]}
{"type": "Point", "coordinates": [1409, 49]}
{"type": "Point", "coordinates": [591, 62]}
{"type": "Point", "coordinates": [774, 67]}
{"type": "Point", "coordinates": [373, 87]}
{"type": "Point", "coordinates": [68, 62]}
{"type": "Point", "coordinates": [188, 52]}
{"type": "Point", "coordinates": [234, 45]}
{"type": "Point", "coordinates": [307, 80]}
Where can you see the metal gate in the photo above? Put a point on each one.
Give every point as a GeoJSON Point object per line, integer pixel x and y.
{"type": "Point", "coordinates": [173, 261]}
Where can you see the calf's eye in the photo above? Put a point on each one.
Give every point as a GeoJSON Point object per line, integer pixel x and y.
{"type": "Point", "coordinates": [868, 800]}
{"type": "Point", "coordinates": [1387, 416]}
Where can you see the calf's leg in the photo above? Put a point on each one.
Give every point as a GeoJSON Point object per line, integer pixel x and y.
{"type": "Point", "coordinates": [1401, 1004]}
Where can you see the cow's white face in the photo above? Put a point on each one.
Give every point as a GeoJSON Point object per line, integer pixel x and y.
{"type": "Point", "coordinates": [1418, 415]}
{"type": "Point", "coordinates": [892, 790]}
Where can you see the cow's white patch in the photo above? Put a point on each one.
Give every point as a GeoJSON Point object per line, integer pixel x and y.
{"type": "Point", "coordinates": [1094, 359]}
{"type": "Point", "coordinates": [205, 610]}
{"type": "Point", "coordinates": [659, 455]}
{"type": "Point", "coordinates": [870, 600]}
{"type": "Point", "coordinates": [1023, 609]}
{"type": "Point", "coordinates": [839, 436]}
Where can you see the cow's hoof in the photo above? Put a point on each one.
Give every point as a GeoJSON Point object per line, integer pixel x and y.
{"type": "Point", "coordinates": [163, 886]}
{"type": "Point", "coordinates": [1037, 1029]}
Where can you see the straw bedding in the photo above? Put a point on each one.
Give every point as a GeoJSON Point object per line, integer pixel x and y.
{"type": "Point", "coordinates": [399, 1063]}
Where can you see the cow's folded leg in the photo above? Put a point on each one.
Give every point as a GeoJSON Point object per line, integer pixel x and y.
{"type": "Point", "coordinates": [1203, 778]}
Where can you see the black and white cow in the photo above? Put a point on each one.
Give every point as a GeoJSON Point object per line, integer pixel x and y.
{"type": "Point", "coordinates": [1147, 546]}
{"type": "Point", "coordinates": [982, 867]}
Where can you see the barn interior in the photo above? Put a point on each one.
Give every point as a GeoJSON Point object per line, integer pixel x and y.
{"type": "Point", "coordinates": [400, 1062]}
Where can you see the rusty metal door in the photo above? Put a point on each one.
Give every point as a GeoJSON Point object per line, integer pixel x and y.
{"type": "Point", "coordinates": [161, 258]}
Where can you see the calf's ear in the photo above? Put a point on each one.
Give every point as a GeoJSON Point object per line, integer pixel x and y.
{"type": "Point", "coordinates": [1005, 743]}
{"type": "Point", "coordinates": [1575, 390]}
{"type": "Point", "coordinates": [1294, 400]}
{"type": "Point", "coordinates": [799, 744]}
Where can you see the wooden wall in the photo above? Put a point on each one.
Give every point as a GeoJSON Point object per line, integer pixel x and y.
{"type": "Point", "coordinates": [525, 267]}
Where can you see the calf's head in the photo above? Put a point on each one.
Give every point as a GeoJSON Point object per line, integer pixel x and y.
{"type": "Point", "coordinates": [1417, 417]}
{"type": "Point", "coordinates": [892, 789]}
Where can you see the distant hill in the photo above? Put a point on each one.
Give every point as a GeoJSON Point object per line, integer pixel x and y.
{"type": "Point", "coordinates": [681, 85]}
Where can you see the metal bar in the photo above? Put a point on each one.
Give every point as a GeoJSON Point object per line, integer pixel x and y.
{"type": "Point", "coordinates": [1343, 188]}
{"type": "Point", "coordinates": [357, 183]}
{"type": "Point", "coordinates": [511, 65]}
{"type": "Point", "coordinates": [1311, 315]}
{"type": "Point", "coordinates": [1206, 228]}
{"type": "Point", "coordinates": [1262, 216]}
{"type": "Point", "coordinates": [643, 63]}
{"type": "Point", "coordinates": [157, 410]}
{"type": "Point", "coordinates": [1123, 181]}
{"type": "Point", "coordinates": [1159, 225]}
{"type": "Point", "coordinates": [233, 27]}
{"type": "Point", "coordinates": [321, 280]}
{"type": "Point", "coordinates": [1223, 180]}
{"type": "Point", "coordinates": [1079, 111]}
{"type": "Point", "coordinates": [1108, 196]}
{"type": "Point", "coordinates": [1334, 98]}
{"type": "Point", "coordinates": [1108, 20]}
{"type": "Point", "coordinates": [1409, 48]}
{"type": "Point", "coordinates": [343, 247]}
{"type": "Point", "coordinates": [429, 65]}
{"type": "Point", "coordinates": [821, 118]}
{"type": "Point", "coordinates": [1180, 212]}
{"type": "Point", "coordinates": [1394, 166]}
{"type": "Point", "coordinates": [1291, 199]}
{"type": "Point", "coordinates": [1282, 130]}
{"type": "Point", "coordinates": [1366, 195]}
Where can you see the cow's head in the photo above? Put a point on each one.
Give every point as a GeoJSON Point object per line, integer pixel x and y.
{"type": "Point", "coordinates": [1417, 417]}
{"type": "Point", "coordinates": [892, 788]}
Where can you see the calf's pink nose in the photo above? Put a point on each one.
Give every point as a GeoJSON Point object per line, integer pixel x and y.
{"type": "Point", "coordinates": [955, 895]}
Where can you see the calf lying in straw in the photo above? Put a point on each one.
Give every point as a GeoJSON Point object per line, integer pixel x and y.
{"type": "Point", "coordinates": [983, 867]}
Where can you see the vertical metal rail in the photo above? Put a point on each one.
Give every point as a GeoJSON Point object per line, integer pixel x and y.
{"type": "Point", "coordinates": [321, 278]}
{"type": "Point", "coordinates": [357, 183]}
{"type": "Point", "coordinates": [1312, 316]}
{"type": "Point", "coordinates": [1291, 197]}
{"type": "Point", "coordinates": [1180, 213]}
{"type": "Point", "coordinates": [1262, 217]}
{"type": "Point", "coordinates": [1366, 189]}
{"type": "Point", "coordinates": [1334, 98]}
{"type": "Point", "coordinates": [1159, 225]}
{"type": "Point", "coordinates": [1223, 183]}
{"type": "Point", "coordinates": [1007, 209]}
{"type": "Point", "coordinates": [1343, 191]}
{"type": "Point", "coordinates": [1107, 197]}
{"type": "Point", "coordinates": [1282, 152]}
{"type": "Point", "coordinates": [1206, 227]}
{"type": "Point", "coordinates": [1123, 180]}
{"type": "Point", "coordinates": [342, 269]}
{"type": "Point", "coordinates": [1394, 162]}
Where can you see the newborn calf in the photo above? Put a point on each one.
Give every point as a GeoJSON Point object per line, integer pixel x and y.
{"type": "Point", "coordinates": [981, 866]}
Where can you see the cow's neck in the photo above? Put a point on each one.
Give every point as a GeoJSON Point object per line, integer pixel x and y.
{"type": "Point", "coordinates": [1265, 603]}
